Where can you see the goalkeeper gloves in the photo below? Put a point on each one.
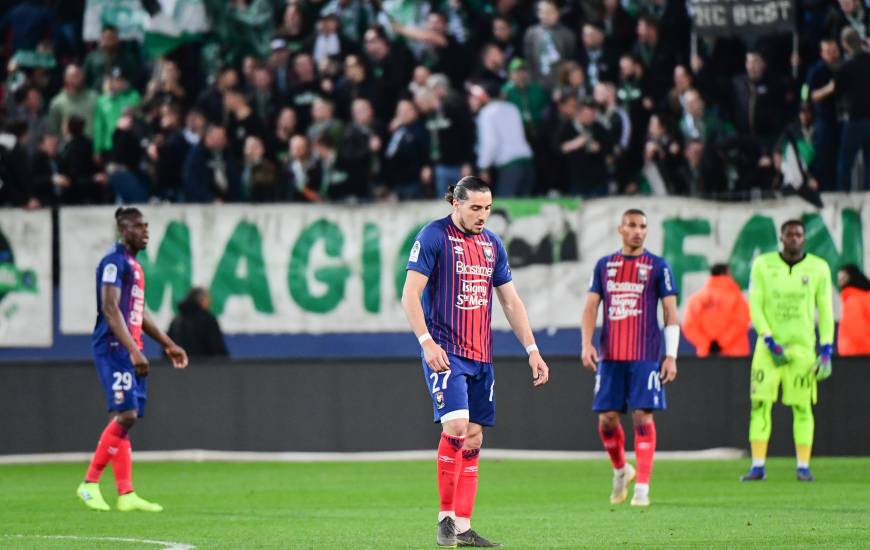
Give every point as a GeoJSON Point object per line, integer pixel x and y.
{"type": "Point", "coordinates": [776, 351]}
{"type": "Point", "coordinates": [823, 366]}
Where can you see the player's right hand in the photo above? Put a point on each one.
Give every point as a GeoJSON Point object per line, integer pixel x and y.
{"type": "Point", "coordinates": [435, 357]}
{"type": "Point", "coordinates": [776, 351]}
{"type": "Point", "coordinates": [140, 362]}
{"type": "Point", "coordinates": [589, 356]}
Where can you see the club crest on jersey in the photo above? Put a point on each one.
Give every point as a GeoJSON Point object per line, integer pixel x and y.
{"type": "Point", "coordinates": [805, 280]}
{"type": "Point", "coordinates": [119, 397]}
{"type": "Point", "coordinates": [439, 400]}
{"type": "Point", "coordinates": [488, 254]}
{"type": "Point", "coordinates": [458, 250]}
{"type": "Point", "coordinates": [643, 271]}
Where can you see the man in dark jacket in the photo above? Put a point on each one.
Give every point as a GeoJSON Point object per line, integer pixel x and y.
{"type": "Point", "coordinates": [197, 327]}
{"type": "Point", "coordinates": [584, 143]}
{"type": "Point", "coordinates": [853, 87]}
{"type": "Point", "coordinates": [451, 132]}
{"type": "Point", "coordinates": [759, 102]}
{"type": "Point", "coordinates": [211, 173]}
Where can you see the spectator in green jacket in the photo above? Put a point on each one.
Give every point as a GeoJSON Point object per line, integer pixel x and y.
{"type": "Point", "coordinates": [530, 98]}
{"type": "Point", "coordinates": [110, 106]}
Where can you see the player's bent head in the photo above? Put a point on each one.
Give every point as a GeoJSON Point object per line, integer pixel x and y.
{"type": "Point", "coordinates": [472, 202]}
{"type": "Point", "coordinates": [462, 189]}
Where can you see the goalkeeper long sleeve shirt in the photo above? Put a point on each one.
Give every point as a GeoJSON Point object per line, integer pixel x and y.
{"type": "Point", "coordinates": [783, 299]}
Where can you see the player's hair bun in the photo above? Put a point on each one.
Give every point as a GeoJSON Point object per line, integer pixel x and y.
{"type": "Point", "coordinates": [449, 195]}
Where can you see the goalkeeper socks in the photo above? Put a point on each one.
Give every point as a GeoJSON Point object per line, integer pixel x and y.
{"type": "Point", "coordinates": [760, 424]}
{"type": "Point", "coordinates": [110, 441]}
{"type": "Point", "coordinates": [803, 428]}
{"type": "Point", "coordinates": [614, 443]}
{"type": "Point", "coordinates": [122, 464]}
{"type": "Point", "coordinates": [449, 461]}
{"type": "Point", "coordinates": [644, 450]}
{"type": "Point", "coordinates": [466, 489]}
{"type": "Point", "coordinates": [759, 453]}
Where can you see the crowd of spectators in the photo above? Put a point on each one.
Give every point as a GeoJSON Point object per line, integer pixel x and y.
{"type": "Point", "coordinates": [354, 100]}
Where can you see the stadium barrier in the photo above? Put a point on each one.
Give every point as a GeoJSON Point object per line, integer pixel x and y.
{"type": "Point", "coordinates": [371, 405]}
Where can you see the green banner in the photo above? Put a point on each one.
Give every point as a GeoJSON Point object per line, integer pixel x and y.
{"type": "Point", "coordinates": [323, 269]}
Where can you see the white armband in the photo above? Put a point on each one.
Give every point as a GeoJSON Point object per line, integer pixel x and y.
{"type": "Point", "coordinates": [672, 340]}
{"type": "Point", "coordinates": [530, 348]}
{"type": "Point", "coordinates": [423, 337]}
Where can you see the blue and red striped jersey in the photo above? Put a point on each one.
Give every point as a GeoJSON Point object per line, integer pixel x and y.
{"type": "Point", "coordinates": [630, 288]}
{"type": "Point", "coordinates": [457, 301]}
{"type": "Point", "coordinates": [119, 268]}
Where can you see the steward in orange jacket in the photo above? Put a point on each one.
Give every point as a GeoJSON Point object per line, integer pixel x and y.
{"type": "Point", "coordinates": [716, 318]}
{"type": "Point", "coordinates": [854, 332]}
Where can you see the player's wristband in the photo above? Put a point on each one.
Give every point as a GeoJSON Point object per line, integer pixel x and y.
{"type": "Point", "coordinates": [672, 340]}
{"type": "Point", "coordinates": [530, 348]}
{"type": "Point", "coordinates": [423, 337]}
{"type": "Point", "coordinates": [827, 351]}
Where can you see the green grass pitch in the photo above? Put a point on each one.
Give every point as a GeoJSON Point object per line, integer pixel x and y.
{"type": "Point", "coordinates": [524, 504]}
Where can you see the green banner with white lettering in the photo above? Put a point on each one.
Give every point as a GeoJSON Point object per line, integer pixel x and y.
{"type": "Point", "coordinates": [328, 269]}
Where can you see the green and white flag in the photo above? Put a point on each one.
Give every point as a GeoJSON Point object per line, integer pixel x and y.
{"type": "Point", "coordinates": [177, 22]}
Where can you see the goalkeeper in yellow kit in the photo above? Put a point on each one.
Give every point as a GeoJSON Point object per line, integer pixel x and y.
{"type": "Point", "coordinates": [785, 290]}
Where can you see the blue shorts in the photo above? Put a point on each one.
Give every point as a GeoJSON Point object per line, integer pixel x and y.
{"type": "Point", "coordinates": [466, 391]}
{"type": "Point", "coordinates": [623, 385]}
{"type": "Point", "coordinates": [124, 389]}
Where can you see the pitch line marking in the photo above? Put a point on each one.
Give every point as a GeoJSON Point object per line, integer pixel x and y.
{"type": "Point", "coordinates": [166, 544]}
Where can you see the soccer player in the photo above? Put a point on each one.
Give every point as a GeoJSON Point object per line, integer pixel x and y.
{"type": "Point", "coordinates": [630, 283]}
{"type": "Point", "coordinates": [454, 265]}
{"type": "Point", "coordinates": [121, 365]}
{"type": "Point", "coordinates": [786, 288]}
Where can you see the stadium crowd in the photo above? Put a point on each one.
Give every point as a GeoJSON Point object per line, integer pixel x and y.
{"type": "Point", "coordinates": [353, 100]}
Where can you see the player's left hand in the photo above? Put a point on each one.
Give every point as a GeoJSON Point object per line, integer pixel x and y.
{"type": "Point", "coordinates": [540, 370]}
{"type": "Point", "coordinates": [823, 367]}
{"type": "Point", "coordinates": [669, 370]}
{"type": "Point", "coordinates": [177, 355]}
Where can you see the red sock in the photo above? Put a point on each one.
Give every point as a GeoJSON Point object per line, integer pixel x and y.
{"type": "Point", "coordinates": [614, 444]}
{"type": "Point", "coordinates": [644, 450]}
{"type": "Point", "coordinates": [449, 460]}
{"type": "Point", "coordinates": [110, 441]}
{"type": "Point", "coordinates": [466, 490]}
{"type": "Point", "coordinates": [122, 464]}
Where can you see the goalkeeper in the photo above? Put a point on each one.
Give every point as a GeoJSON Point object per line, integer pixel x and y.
{"type": "Point", "coordinates": [785, 290]}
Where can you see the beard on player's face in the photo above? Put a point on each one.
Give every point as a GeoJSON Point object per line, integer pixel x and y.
{"type": "Point", "coordinates": [473, 220]}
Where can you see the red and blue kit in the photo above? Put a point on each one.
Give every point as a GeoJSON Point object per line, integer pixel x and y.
{"type": "Point", "coordinates": [462, 269]}
{"type": "Point", "coordinates": [631, 339]}
{"type": "Point", "coordinates": [124, 389]}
